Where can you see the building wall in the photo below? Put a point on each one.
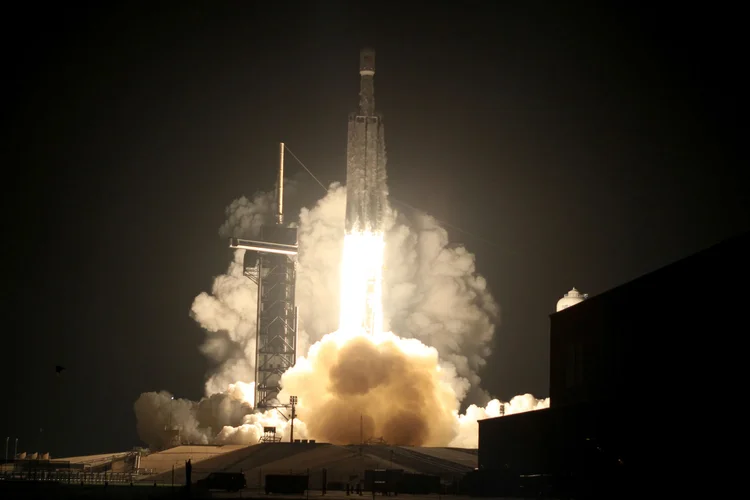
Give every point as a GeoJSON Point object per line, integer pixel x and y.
{"type": "Point", "coordinates": [663, 336]}
{"type": "Point", "coordinates": [647, 383]}
{"type": "Point", "coordinates": [554, 439]}
{"type": "Point", "coordinates": [514, 442]}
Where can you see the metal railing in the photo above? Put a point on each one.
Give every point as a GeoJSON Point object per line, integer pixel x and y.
{"type": "Point", "coordinates": [68, 477]}
{"type": "Point", "coordinates": [319, 480]}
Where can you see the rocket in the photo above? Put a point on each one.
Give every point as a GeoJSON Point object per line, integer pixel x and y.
{"type": "Point", "coordinates": [366, 190]}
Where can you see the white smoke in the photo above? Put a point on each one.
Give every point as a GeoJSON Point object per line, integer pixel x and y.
{"type": "Point", "coordinates": [320, 237]}
{"type": "Point", "coordinates": [431, 294]}
{"type": "Point", "coordinates": [245, 217]}
{"type": "Point", "coordinates": [468, 423]}
{"type": "Point", "coordinates": [225, 418]}
{"type": "Point", "coordinates": [228, 315]}
{"type": "Point", "coordinates": [430, 289]}
{"type": "Point", "coordinates": [198, 422]}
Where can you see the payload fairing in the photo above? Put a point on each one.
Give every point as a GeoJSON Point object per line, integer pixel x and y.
{"type": "Point", "coordinates": [366, 190]}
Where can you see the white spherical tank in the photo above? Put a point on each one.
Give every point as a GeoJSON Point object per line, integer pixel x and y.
{"type": "Point", "coordinates": [571, 298]}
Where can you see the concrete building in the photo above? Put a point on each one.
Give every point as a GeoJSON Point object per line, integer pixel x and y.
{"type": "Point", "coordinates": [644, 380]}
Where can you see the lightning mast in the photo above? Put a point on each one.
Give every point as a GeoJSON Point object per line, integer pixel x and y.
{"type": "Point", "coordinates": [272, 266]}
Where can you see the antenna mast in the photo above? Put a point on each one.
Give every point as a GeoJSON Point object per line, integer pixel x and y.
{"type": "Point", "coordinates": [274, 272]}
{"type": "Point", "coordinates": [280, 191]}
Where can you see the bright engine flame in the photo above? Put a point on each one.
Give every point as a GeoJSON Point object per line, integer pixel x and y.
{"type": "Point", "coordinates": [359, 382]}
{"type": "Point", "coordinates": [361, 283]}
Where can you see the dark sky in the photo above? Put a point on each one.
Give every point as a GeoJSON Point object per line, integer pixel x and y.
{"type": "Point", "coordinates": [578, 147]}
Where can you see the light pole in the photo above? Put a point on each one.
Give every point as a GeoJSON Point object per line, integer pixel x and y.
{"type": "Point", "coordinates": [293, 402]}
{"type": "Point", "coordinates": [169, 428]}
{"type": "Point", "coordinates": [171, 409]}
{"type": "Point", "coordinates": [7, 440]}
{"type": "Point", "coordinates": [15, 450]}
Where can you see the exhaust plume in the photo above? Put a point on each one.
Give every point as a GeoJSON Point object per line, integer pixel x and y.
{"type": "Point", "coordinates": [430, 289]}
{"type": "Point", "coordinates": [354, 387]}
{"type": "Point", "coordinates": [406, 387]}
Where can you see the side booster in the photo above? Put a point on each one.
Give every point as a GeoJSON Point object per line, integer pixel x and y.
{"type": "Point", "coordinates": [366, 190]}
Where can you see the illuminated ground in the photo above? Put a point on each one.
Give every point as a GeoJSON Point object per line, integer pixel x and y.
{"type": "Point", "coordinates": [342, 463]}
{"type": "Point", "coordinates": [177, 456]}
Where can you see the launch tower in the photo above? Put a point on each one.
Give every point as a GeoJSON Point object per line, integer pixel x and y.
{"type": "Point", "coordinates": [366, 190]}
{"type": "Point", "coordinates": [270, 262]}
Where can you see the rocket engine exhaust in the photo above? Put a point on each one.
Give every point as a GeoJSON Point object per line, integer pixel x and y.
{"type": "Point", "coordinates": [359, 381]}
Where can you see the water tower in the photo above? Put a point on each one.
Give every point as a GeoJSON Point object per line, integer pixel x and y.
{"type": "Point", "coordinates": [571, 298]}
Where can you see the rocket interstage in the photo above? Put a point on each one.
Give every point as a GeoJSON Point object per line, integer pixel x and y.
{"type": "Point", "coordinates": [366, 190]}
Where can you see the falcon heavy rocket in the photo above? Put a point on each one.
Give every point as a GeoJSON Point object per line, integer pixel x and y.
{"type": "Point", "coordinates": [366, 190]}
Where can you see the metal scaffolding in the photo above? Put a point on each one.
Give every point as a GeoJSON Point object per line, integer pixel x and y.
{"type": "Point", "coordinates": [276, 344]}
{"type": "Point", "coordinates": [276, 349]}
{"type": "Point", "coordinates": [270, 262]}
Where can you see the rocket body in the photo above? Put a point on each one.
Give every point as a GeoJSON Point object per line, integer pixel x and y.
{"type": "Point", "coordinates": [366, 210]}
{"type": "Point", "coordinates": [366, 190]}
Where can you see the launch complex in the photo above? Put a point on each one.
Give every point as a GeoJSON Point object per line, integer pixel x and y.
{"type": "Point", "coordinates": [270, 261]}
{"type": "Point", "coordinates": [583, 443]}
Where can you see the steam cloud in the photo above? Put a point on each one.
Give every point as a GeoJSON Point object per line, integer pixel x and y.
{"type": "Point", "coordinates": [432, 296]}
{"type": "Point", "coordinates": [222, 418]}
{"type": "Point", "coordinates": [229, 317]}
{"type": "Point", "coordinates": [197, 421]}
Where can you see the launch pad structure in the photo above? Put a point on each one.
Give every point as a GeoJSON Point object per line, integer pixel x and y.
{"type": "Point", "coordinates": [270, 262]}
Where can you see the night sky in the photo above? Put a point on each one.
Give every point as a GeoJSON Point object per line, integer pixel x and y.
{"type": "Point", "coordinates": [566, 146]}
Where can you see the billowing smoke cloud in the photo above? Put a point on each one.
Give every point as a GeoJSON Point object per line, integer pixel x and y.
{"type": "Point", "coordinates": [225, 418]}
{"type": "Point", "coordinates": [468, 423]}
{"type": "Point", "coordinates": [431, 292]}
{"type": "Point", "coordinates": [228, 315]}
{"type": "Point", "coordinates": [432, 297]}
{"type": "Point", "coordinates": [320, 237]}
{"type": "Point", "coordinates": [245, 217]}
{"type": "Point", "coordinates": [430, 288]}
{"type": "Point", "coordinates": [198, 422]}
{"type": "Point", "coordinates": [362, 387]}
